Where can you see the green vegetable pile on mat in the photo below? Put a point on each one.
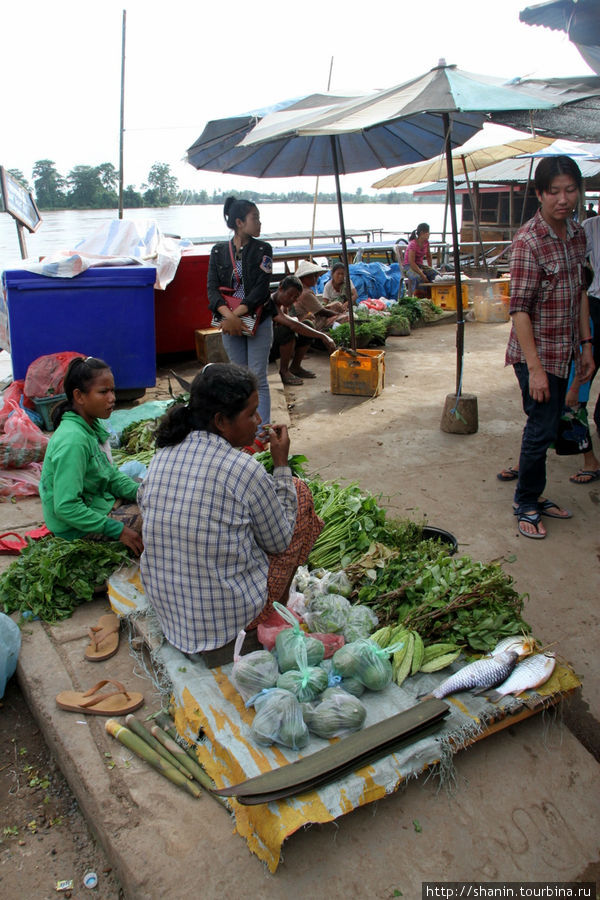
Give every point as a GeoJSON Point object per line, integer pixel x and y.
{"type": "Point", "coordinates": [137, 442]}
{"type": "Point", "coordinates": [368, 331]}
{"type": "Point", "coordinates": [53, 576]}
{"type": "Point", "coordinates": [444, 598]}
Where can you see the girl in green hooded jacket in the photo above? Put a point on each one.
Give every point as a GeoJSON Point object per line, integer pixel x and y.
{"type": "Point", "coordinates": [83, 493]}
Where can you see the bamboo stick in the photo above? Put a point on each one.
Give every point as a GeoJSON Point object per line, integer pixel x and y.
{"type": "Point", "coordinates": [164, 721]}
{"type": "Point", "coordinates": [170, 731]}
{"type": "Point", "coordinates": [180, 754]}
{"type": "Point", "coordinates": [137, 728]}
{"type": "Point", "coordinates": [141, 749]}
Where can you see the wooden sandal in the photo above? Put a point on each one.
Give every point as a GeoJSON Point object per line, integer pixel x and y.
{"type": "Point", "coordinates": [104, 639]}
{"type": "Point", "coordinates": [95, 703]}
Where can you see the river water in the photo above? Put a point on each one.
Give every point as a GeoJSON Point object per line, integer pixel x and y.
{"type": "Point", "coordinates": [62, 230]}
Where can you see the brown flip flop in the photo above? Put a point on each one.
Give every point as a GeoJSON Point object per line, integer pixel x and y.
{"type": "Point", "coordinates": [95, 703]}
{"type": "Point", "coordinates": [104, 639]}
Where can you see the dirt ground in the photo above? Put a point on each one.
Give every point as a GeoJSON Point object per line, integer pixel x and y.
{"type": "Point", "coordinates": [392, 446]}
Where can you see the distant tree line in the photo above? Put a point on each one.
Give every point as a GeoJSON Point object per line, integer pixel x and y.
{"type": "Point", "coordinates": [96, 187]}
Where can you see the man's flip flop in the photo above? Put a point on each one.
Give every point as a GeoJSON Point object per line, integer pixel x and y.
{"type": "Point", "coordinates": [96, 703]}
{"type": "Point", "coordinates": [288, 378]}
{"type": "Point", "coordinates": [545, 507]}
{"type": "Point", "coordinates": [509, 474]}
{"type": "Point", "coordinates": [104, 639]}
{"type": "Point", "coordinates": [303, 373]}
{"type": "Point", "coordinates": [531, 519]}
{"type": "Point", "coordinates": [589, 475]}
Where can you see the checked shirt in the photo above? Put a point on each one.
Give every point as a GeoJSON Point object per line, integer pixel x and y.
{"type": "Point", "coordinates": [211, 515]}
{"type": "Point", "coordinates": [546, 282]}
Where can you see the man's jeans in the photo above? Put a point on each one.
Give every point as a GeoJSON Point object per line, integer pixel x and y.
{"type": "Point", "coordinates": [540, 431]}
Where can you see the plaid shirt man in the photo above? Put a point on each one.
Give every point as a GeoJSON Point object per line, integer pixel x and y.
{"type": "Point", "coordinates": [205, 563]}
{"type": "Point", "coordinates": [546, 281]}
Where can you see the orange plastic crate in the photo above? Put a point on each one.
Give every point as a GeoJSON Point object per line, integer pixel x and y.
{"type": "Point", "coordinates": [360, 376]}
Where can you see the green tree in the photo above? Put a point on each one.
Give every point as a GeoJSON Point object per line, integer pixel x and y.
{"type": "Point", "coordinates": [87, 190]}
{"type": "Point", "coordinates": [49, 185]}
{"type": "Point", "coordinates": [18, 176]}
{"type": "Point", "coordinates": [162, 187]}
{"type": "Point", "coordinates": [108, 176]}
{"type": "Point", "coordinates": [132, 199]}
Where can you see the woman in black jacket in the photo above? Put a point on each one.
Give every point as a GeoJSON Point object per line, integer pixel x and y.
{"type": "Point", "coordinates": [244, 265]}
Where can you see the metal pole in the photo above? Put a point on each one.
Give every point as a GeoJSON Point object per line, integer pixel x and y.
{"type": "Point", "coordinates": [21, 237]}
{"type": "Point", "coordinates": [338, 191]}
{"type": "Point", "coordinates": [460, 322]}
{"type": "Point", "coordinates": [475, 218]}
{"type": "Point", "coordinates": [314, 216]}
{"type": "Point", "coordinates": [121, 129]}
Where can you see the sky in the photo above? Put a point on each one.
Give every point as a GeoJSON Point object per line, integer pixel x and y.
{"type": "Point", "coordinates": [189, 62]}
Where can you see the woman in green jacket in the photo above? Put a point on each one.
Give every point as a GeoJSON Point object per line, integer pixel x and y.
{"type": "Point", "coordinates": [83, 493]}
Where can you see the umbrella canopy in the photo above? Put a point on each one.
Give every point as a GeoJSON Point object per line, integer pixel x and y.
{"type": "Point", "coordinates": [577, 118]}
{"type": "Point", "coordinates": [403, 124]}
{"type": "Point", "coordinates": [469, 160]}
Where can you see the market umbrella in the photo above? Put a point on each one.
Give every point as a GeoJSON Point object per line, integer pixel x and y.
{"type": "Point", "coordinates": [404, 124]}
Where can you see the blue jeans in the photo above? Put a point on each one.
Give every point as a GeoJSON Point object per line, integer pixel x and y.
{"type": "Point", "coordinates": [253, 352]}
{"type": "Point", "coordinates": [541, 430]}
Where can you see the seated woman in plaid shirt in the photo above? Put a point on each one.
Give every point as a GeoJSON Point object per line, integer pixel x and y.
{"type": "Point", "coordinates": [222, 537]}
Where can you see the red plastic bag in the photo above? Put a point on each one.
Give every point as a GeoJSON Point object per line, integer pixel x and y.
{"type": "Point", "coordinates": [24, 482]}
{"type": "Point", "coordinates": [268, 630]}
{"type": "Point", "coordinates": [13, 392]}
{"type": "Point", "coordinates": [331, 642]}
{"type": "Point", "coordinates": [22, 442]}
{"type": "Point", "coordinates": [46, 374]}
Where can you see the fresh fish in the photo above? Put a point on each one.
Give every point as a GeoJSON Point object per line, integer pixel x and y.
{"type": "Point", "coordinates": [478, 675]}
{"type": "Point", "coordinates": [520, 643]}
{"type": "Point", "coordinates": [530, 673]}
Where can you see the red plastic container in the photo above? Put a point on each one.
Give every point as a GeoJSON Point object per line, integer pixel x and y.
{"type": "Point", "coordinates": [183, 306]}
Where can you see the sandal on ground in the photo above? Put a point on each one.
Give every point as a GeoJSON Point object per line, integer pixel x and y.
{"type": "Point", "coordinates": [95, 703]}
{"type": "Point", "coordinates": [553, 510]}
{"type": "Point", "coordinates": [588, 474]}
{"type": "Point", "coordinates": [13, 547]}
{"type": "Point", "coordinates": [302, 373]}
{"type": "Point", "coordinates": [509, 474]}
{"type": "Point", "coordinates": [104, 639]}
{"type": "Point", "coordinates": [530, 518]}
{"type": "Point", "coordinates": [288, 378]}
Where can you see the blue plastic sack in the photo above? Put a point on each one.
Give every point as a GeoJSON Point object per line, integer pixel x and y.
{"type": "Point", "coordinates": [10, 644]}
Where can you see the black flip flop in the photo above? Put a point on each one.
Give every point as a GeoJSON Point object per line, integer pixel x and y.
{"type": "Point", "coordinates": [509, 474]}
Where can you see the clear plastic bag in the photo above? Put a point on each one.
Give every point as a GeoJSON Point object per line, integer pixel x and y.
{"type": "Point", "coordinates": [327, 613]}
{"type": "Point", "coordinates": [304, 681]}
{"type": "Point", "coordinates": [290, 641]}
{"type": "Point", "coordinates": [22, 442]}
{"type": "Point", "coordinates": [361, 622]}
{"type": "Point", "coordinates": [364, 661]}
{"type": "Point", "coordinates": [253, 672]}
{"type": "Point", "coordinates": [336, 714]}
{"type": "Point", "coordinates": [336, 583]}
{"type": "Point", "coordinates": [279, 720]}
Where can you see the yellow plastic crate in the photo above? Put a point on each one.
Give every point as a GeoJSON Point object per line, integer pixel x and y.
{"type": "Point", "coordinates": [362, 375]}
{"type": "Point", "coordinates": [444, 295]}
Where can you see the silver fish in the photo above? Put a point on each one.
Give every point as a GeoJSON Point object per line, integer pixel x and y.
{"type": "Point", "coordinates": [478, 675]}
{"type": "Point", "coordinates": [521, 644]}
{"type": "Point", "coordinates": [530, 673]}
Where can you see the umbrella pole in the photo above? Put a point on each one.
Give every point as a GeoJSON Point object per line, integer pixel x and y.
{"type": "Point", "coordinates": [460, 413]}
{"type": "Point", "coordinates": [338, 192]}
{"type": "Point", "coordinates": [476, 219]}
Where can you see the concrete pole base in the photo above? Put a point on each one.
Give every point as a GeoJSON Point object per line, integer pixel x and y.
{"type": "Point", "coordinates": [464, 420]}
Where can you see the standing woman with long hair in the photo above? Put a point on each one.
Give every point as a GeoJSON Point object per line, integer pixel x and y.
{"type": "Point", "coordinates": [244, 264]}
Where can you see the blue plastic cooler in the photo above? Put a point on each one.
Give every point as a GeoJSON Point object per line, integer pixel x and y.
{"type": "Point", "coordinates": [105, 312]}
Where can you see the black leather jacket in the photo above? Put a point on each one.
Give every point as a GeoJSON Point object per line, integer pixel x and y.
{"type": "Point", "coordinates": [257, 268]}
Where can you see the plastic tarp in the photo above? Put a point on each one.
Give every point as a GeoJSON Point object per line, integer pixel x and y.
{"type": "Point", "coordinates": [371, 280]}
{"type": "Point", "coordinates": [116, 243]}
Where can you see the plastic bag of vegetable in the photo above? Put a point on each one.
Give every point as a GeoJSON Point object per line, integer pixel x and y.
{"type": "Point", "coordinates": [253, 672]}
{"type": "Point", "coordinates": [337, 713]}
{"type": "Point", "coordinates": [305, 682]}
{"type": "Point", "coordinates": [270, 627]}
{"type": "Point", "coordinates": [366, 662]}
{"type": "Point", "coordinates": [336, 583]}
{"type": "Point", "coordinates": [279, 720]}
{"type": "Point", "coordinates": [289, 642]}
{"type": "Point", "coordinates": [327, 613]}
{"type": "Point", "coordinates": [361, 622]}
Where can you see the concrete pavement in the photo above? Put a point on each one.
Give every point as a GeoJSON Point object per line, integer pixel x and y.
{"type": "Point", "coordinates": [524, 804]}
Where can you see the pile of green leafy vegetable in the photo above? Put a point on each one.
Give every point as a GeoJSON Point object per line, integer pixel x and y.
{"type": "Point", "coordinates": [445, 598]}
{"type": "Point", "coordinates": [369, 331]}
{"type": "Point", "coordinates": [296, 462]}
{"type": "Point", "coordinates": [52, 576]}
